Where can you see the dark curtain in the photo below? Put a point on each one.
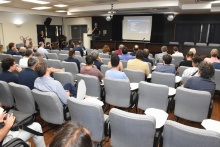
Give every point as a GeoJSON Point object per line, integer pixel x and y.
{"type": "Point", "coordinates": [214, 33]}
{"type": "Point", "coordinates": [157, 28]}
{"type": "Point", "coordinates": [117, 28]}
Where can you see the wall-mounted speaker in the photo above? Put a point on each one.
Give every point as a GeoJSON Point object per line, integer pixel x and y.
{"type": "Point", "coordinates": [47, 21]}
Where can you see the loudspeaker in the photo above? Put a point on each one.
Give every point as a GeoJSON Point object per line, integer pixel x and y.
{"type": "Point", "coordinates": [47, 21]}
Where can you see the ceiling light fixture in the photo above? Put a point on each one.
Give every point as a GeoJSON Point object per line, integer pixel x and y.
{"type": "Point", "coordinates": [61, 11]}
{"type": "Point", "coordinates": [4, 2]}
{"type": "Point", "coordinates": [41, 8]}
{"type": "Point", "coordinates": [110, 14]}
{"type": "Point", "coordinates": [170, 17]}
{"type": "Point", "coordinates": [36, 1]}
{"type": "Point", "coordinates": [60, 5]}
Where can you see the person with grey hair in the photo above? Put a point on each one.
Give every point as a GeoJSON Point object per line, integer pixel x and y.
{"type": "Point", "coordinates": [24, 61]}
{"type": "Point", "coordinates": [27, 76]}
{"type": "Point", "coordinates": [21, 51]}
{"type": "Point", "coordinates": [163, 52]}
{"type": "Point", "coordinates": [97, 60]}
{"type": "Point", "coordinates": [119, 51]}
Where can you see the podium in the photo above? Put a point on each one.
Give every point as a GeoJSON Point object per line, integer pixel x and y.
{"type": "Point", "coordinates": [87, 40]}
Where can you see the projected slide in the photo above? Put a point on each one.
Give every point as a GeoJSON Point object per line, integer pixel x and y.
{"type": "Point", "coordinates": [137, 28]}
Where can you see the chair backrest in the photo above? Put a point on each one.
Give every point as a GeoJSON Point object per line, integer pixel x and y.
{"type": "Point", "coordinates": [191, 104]}
{"type": "Point", "coordinates": [64, 77]}
{"type": "Point", "coordinates": [55, 51]}
{"type": "Point", "coordinates": [216, 79]}
{"type": "Point", "coordinates": [17, 58]}
{"type": "Point", "coordinates": [117, 92]}
{"type": "Point", "coordinates": [106, 60]}
{"type": "Point", "coordinates": [77, 53]}
{"type": "Point", "coordinates": [189, 43]}
{"type": "Point", "coordinates": [71, 67]}
{"type": "Point", "coordinates": [4, 56]}
{"type": "Point", "coordinates": [214, 45]}
{"type": "Point", "coordinates": [89, 51]}
{"type": "Point", "coordinates": [54, 63]}
{"type": "Point", "coordinates": [134, 76]}
{"type": "Point", "coordinates": [176, 134]}
{"type": "Point", "coordinates": [52, 56]}
{"type": "Point", "coordinates": [23, 98]}
{"type": "Point", "coordinates": [101, 55]}
{"type": "Point", "coordinates": [89, 115]}
{"type": "Point", "coordinates": [177, 60]}
{"type": "Point", "coordinates": [125, 126]}
{"type": "Point", "coordinates": [174, 43]}
{"type": "Point", "coordinates": [63, 57]}
{"type": "Point", "coordinates": [92, 84]}
{"type": "Point", "coordinates": [104, 68]}
{"type": "Point", "coordinates": [124, 63]}
{"type": "Point", "coordinates": [163, 78]}
{"type": "Point", "coordinates": [6, 97]}
{"type": "Point", "coordinates": [181, 70]}
{"type": "Point", "coordinates": [81, 59]}
{"type": "Point", "coordinates": [152, 96]}
{"type": "Point", "coordinates": [201, 44]}
{"type": "Point", "coordinates": [51, 108]}
{"type": "Point", "coordinates": [64, 52]}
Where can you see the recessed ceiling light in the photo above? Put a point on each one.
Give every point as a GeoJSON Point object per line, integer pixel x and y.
{"type": "Point", "coordinates": [36, 1]}
{"type": "Point", "coordinates": [60, 5]}
{"type": "Point", "coordinates": [3, 1]}
{"type": "Point", "coordinates": [61, 11]}
{"type": "Point", "coordinates": [41, 8]}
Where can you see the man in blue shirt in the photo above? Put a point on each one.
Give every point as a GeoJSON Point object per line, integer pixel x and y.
{"type": "Point", "coordinates": [166, 67]}
{"type": "Point", "coordinates": [12, 49]}
{"type": "Point", "coordinates": [79, 48]}
{"type": "Point", "coordinates": [146, 55]}
{"type": "Point", "coordinates": [72, 59]}
{"type": "Point", "coordinates": [42, 50]}
{"type": "Point", "coordinates": [114, 73]}
{"type": "Point", "coordinates": [125, 56]}
{"type": "Point", "coordinates": [28, 75]}
{"type": "Point", "coordinates": [135, 49]}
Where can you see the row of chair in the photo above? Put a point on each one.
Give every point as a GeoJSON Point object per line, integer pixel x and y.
{"type": "Point", "coordinates": [196, 44]}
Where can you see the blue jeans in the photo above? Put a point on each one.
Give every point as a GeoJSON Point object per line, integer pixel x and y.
{"type": "Point", "coordinates": [72, 89]}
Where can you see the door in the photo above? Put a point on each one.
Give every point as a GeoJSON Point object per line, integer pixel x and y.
{"type": "Point", "coordinates": [77, 32]}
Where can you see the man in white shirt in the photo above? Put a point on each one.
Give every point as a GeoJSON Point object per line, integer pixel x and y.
{"type": "Point", "coordinates": [24, 61]}
{"type": "Point", "coordinates": [176, 52]}
{"type": "Point", "coordinates": [42, 49]}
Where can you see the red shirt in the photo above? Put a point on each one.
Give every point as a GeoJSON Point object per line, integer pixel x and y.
{"type": "Point", "coordinates": [119, 52]}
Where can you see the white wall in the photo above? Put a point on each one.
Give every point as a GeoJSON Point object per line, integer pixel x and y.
{"type": "Point", "coordinates": [12, 33]}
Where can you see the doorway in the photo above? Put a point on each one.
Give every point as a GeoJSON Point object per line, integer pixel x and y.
{"type": "Point", "coordinates": [77, 32]}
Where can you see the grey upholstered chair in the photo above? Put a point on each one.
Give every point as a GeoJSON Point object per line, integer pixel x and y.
{"type": "Point", "coordinates": [134, 76]}
{"type": "Point", "coordinates": [189, 43]}
{"type": "Point", "coordinates": [104, 68]}
{"type": "Point", "coordinates": [51, 108]}
{"type": "Point", "coordinates": [201, 44]}
{"type": "Point", "coordinates": [6, 97]}
{"type": "Point", "coordinates": [71, 67]}
{"type": "Point", "coordinates": [181, 70]}
{"type": "Point", "coordinates": [214, 45]}
{"type": "Point", "coordinates": [124, 63]}
{"type": "Point", "coordinates": [152, 96]}
{"type": "Point", "coordinates": [104, 55]}
{"type": "Point", "coordinates": [106, 60]}
{"type": "Point", "coordinates": [90, 115]}
{"type": "Point", "coordinates": [174, 43]}
{"type": "Point", "coordinates": [92, 84]}
{"type": "Point", "coordinates": [163, 78]}
{"type": "Point", "coordinates": [52, 56]}
{"type": "Point", "coordinates": [64, 52]}
{"type": "Point", "coordinates": [54, 63]}
{"type": "Point", "coordinates": [23, 98]}
{"type": "Point", "coordinates": [179, 135]}
{"type": "Point", "coordinates": [81, 59]}
{"type": "Point", "coordinates": [63, 57]}
{"type": "Point", "coordinates": [64, 77]}
{"type": "Point", "coordinates": [17, 58]}
{"type": "Point", "coordinates": [77, 53]}
{"type": "Point", "coordinates": [55, 51]}
{"type": "Point", "coordinates": [131, 130]}
{"type": "Point", "coordinates": [191, 104]}
{"type": "Point", "coordinates": [216, 78]}
{"type": "Point", "coordinates": [3, 56]}
{"type": "Point", "coordinates": [177, 59]}
{"type": "Point", "coordinates": [89, 51]}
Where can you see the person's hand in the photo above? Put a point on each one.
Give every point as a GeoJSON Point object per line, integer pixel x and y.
{"type": "Point", "coordinates": [2, 115]}
{"type": "Point", "coordinates": [99, 58]}
{"type": "Point", "coordinates": [9, 120]}
{"type": "Point", "coordinates": [67, 92]}
{"type": "Point", "coordinates": [18, 69]}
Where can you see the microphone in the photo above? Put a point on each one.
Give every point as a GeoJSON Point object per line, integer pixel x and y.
{"type": "Point", "coordinates": [143, 39]}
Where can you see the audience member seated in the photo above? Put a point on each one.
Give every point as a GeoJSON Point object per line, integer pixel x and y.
{"type": "Point", "coordinates": [41, 49]}
{"type": "Point", "coordinates": [160, 55]}
{"type": "Point", "coordinates": [66, 46]}
{"type": "Point", "coordinates": [114, 73]}
{"type": "Point", "coordinates": [138, 63]}
{"type": "Point", "coordinates": [176, 52]}
{"type": "Point", "coordinates": [28, 75]}
{"type": "Point", "coordinates": [203, 82]}
{"type": "Point", "coordinates": [89, 70]}
{"type": "Point", "coordinates": [1, 49]}
{"type": "Point", "coordinates": [7, 135]}
{"type": "Point", "coordinates": [46, 83]}
{"type": "Point", "coordinates": [21, 51]}
{"type": "Point", "coordinates": [119, 50]}
{"type": "Point", "coordinates": [135, 49]}
{"type": "Point", "coordinates": [24, 61]}
{"type": "Point", "coordinates": [214, 56]}
{"type": "Point", "coordinates": [97, 60]}
{"type": "Point", "coordinates": [48, 45]}
{"type": "Point", "coordinates": [193, 71]}
{"type": "Point", "coordinates": [120, 66]}
{"type": "Point", "coordinates": [72, 135]}
{"type": "Point", "coordinates": [166, 67]}
{"type": "Point", "coordinates": [193, 50]}
{"type": "Point", "coordinates": [216, 65]}
{"type": "Point", "coordinates": [79, 48]}
{"type": "Point", "coordinates": [105, 49]}
{"type": "Point", "coordinates": [12, 49]}
{"type": "Point", "coordinates": [125, 56]}
{"type": "Point", "coordinates": [71, 44]}
{"type": "Point", "coordinates": [146, 55]}
{"type": "Point", "coordinates": [8, 66]}
{"type": "Point", "coordinates": [83, 48]}
{"type": "Point", "coordinates": [72, 59]}
{"type": "Point", "coordinates": [188, 60]}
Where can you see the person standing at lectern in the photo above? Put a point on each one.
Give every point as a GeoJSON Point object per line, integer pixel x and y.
{"type": "Point", "coordinates": [41, 37]}
{"type": "Point", "coordinates": [96, 32]}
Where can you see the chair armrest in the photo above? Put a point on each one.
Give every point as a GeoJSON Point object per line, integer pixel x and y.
{"type": "Point", "coordinates": [15, 142]}
{"type": "Point", "coordinates": [65, 112]}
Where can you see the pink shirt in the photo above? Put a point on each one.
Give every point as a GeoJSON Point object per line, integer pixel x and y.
{"type": "Point", "coordinates": [212, 59]}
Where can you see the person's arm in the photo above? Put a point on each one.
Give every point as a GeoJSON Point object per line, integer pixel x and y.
{"type": "Point", "coordinates": [55, 69]}
{"type": "Point", "coordinates": [60, 91]}
{"type": "Point", "coordinates": [147, 70]}
{"type": "Point", "coordinates": [8, 124]}
{"type": "Point", "coordinates": [100, 75]}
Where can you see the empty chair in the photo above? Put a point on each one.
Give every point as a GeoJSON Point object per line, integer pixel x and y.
{"type": "Point", "coordinates": [71, 67]}
{"type": "Point", "coordinates": [191, 104]}
{"type": "Point", "coordinates": [163, 78]}
{"type": "Point", "coordinates": [124, 63]}
{"type": "Point", "coordinates": [101, 55]}
{"type": "Point", "coordinates": [214, 45]}
{"type": "Point", "coordinates": [51, 108]}
{"type": "Point", "coordinates": [177, 60]}
{"type": "Point", "coordinates": [106, 60]}
{"type": "Point", "coordinates": [6, 97]}
{"type": "Point", "coordinates": [189, 43]}
{"type": "Point", "coordinates": [17, 58]}
{"type": "Point", "coordinates": [92, 84]}
{"type": "Point", "coordinates": [89, 115]}
{"type": "Point", "coordinates": [89, 51]}
{"type": "Point", "coordinates": [176, 134]}
{"type": "Point", "coordinates": [23, 98]}
{"type": "Point", "coordinates": [64, 52]}
{"type": "Point", "coordinates": [134, 76]}
{"type": "Point", "coordinates": [52, 56]}
{"type": "Point", "coordinates": [3, 56]}
{"type": "Point", "coordinates": [181, 70]}
{"type": "Point", "coordinates": [81, 59]}
{"type": "Point", "coordinates": [201, 44]}
{"type": "Point", "coordinates": [77, 53]}
{"type": "Point", "coordinates": [131, 130]}
{"type": "Point", "coordinates": [104, 68]}
{"type": "Point", "coordinates": [54, 63]}
{"type": "Point", "coordinates": [174, 43]}
{"type": "Point", "coordinates": [152, 96]}
{"type": "Point", "coordinates": [64, 77]}
{"type": "Point", "coordinates": [216, 78]}
{"type": "Point", "coordinates": [63, 57]}
{"type": "Point", "coordinates": [55, 51]}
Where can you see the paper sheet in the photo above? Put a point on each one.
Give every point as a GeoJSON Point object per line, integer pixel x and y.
{"type": "Point", "coordinates": [212, 125]}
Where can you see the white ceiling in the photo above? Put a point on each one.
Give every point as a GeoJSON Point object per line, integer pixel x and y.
{"type": "Point", "coordinates": [79, 8]}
